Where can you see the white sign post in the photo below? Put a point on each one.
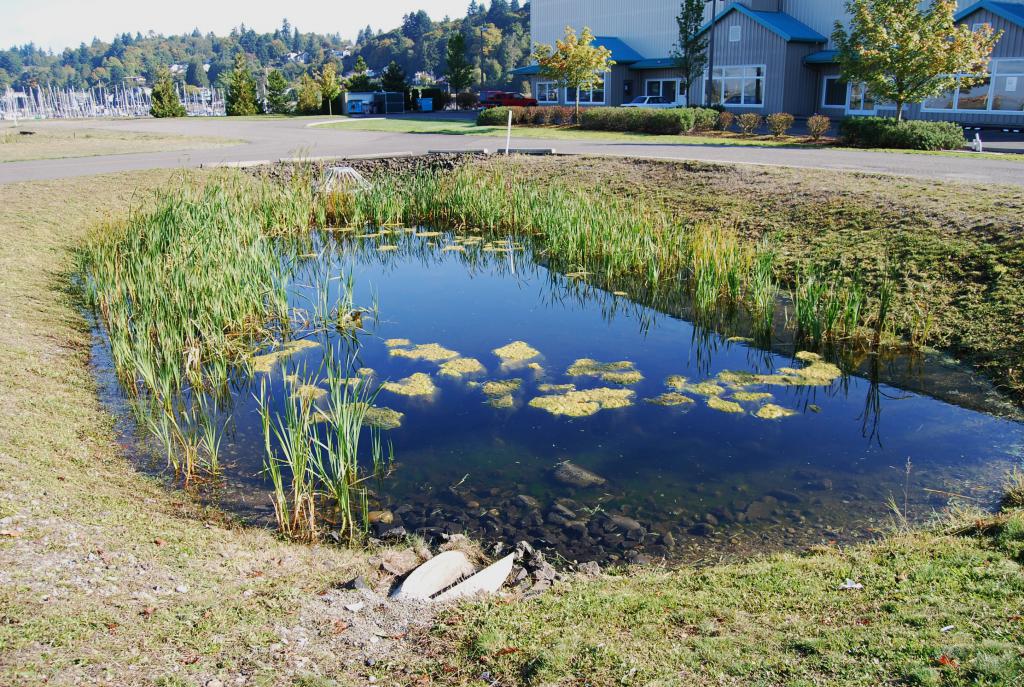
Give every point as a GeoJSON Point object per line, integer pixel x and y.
{"type": "Point", "coordinates": [508, 137]}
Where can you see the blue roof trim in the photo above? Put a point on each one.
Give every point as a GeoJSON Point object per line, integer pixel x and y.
{"type": "Point", "coordinates": [1011, 12]}
{"type": "Point", "coordinates": [655, 63]}
{"type": "Point", "coordinates": [621, 53]}
{"type": "Point", "coordinates": [822, 57]}
{"type": "Point", "coordinates": [789, 28]}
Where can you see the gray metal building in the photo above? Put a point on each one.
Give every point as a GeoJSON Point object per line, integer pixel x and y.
{"type": "Point", "coordinates": [769, 56]}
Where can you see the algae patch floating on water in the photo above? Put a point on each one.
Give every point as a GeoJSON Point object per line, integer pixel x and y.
{"type": "Point", "coordinates": [505, 401]}
{"type": "Point", "coordinates": [670, 398]}
{"type": "Point", "coordinates": [459, 367]}
{"type": "Point", "coordinates": [265, 362]}
{"type": "Point", "coordinates": [770, 411]}
{"type": "Point", "coordinates": [309, 393]}
{"type": "Point", "coordinates": [501, 387]}
{"type": "Point", "coordinates": [716, 403]}
{"type": "Point", "coordinates": [418, 384]}
{"type": "Point", "coordinates": [751, 396]}
{"type": "Point", "coordinates": [584, 403]}
{"type": "Point", "coordinates": [516, 352]}
{"type": "Point", "coordinates": [622, 372]}
{"type": "Point", "coordinates": [383, 418]}
{"type": "Point", "coordinates": [707, 388]}
{"type": "Point", "coordinates": [393, 343]}
{"type": "Point", "coordinates": [430, 352]}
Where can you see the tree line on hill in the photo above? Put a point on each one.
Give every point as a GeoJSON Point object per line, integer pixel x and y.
{"type": "Point", "coordinates": [495, 38]}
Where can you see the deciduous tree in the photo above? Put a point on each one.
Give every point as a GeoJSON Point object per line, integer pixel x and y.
{"type": "Point", "coordinates": [309, 97]}
{"type": "Point", "coordinates": [575, 62]}
{"type": "Point", "coordinates": [329, 86]}
{"type": "Point", "coordinates": [904, 53]}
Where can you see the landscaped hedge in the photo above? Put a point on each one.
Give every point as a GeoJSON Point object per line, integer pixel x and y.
{"type": "Point", "coordinates": [670, 121]}
{"type": "Point", "coordinates": [884, 132]}
{"type": "Point", "coordinates": [526, 116]}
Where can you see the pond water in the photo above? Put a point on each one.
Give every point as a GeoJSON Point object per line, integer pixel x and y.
{"type": "Point", "coordinates": [717, 474]}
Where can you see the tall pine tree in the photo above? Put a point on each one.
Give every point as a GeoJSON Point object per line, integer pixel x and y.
{"type": "Point", "coordinates": [165, 101]}
{"type": "Point", "coordinates": [241, 97]}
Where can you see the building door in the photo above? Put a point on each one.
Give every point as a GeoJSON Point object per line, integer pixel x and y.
{"type": "Point", "coordinates": [861, 102]}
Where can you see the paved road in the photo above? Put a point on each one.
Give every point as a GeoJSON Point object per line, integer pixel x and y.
{"type": "Point", "coordinates": [282, 138]}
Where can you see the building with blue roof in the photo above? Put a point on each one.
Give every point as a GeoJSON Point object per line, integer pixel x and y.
{"type": "Point", "coordinates": [769, 56]}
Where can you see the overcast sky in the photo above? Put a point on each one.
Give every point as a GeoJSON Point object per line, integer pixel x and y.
{"type": "Point", "coordinates": [58, 24]}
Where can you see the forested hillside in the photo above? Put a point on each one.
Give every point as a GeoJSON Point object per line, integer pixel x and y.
{"type": "Point", "coordinates": [497, 38]}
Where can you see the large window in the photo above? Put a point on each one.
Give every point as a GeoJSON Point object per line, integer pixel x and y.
{"type": "Point", "coordinates": [592, 96]}
{"type": "Point", "coordinates": [1000, 91]}
{"type": "Point", "coordinates": [547, 92]}
{"type": "Point", "coordinates": [834, 92]}
{"type": "Point", "coordinates": [738, 86]}
{"type": "Point", "coordinates": [663, 88]}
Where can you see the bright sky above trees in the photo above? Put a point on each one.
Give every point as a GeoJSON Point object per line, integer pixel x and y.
{"type": "Point", "coordinates": [58, 24]}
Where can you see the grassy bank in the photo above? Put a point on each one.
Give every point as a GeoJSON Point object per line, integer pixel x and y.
{"type": "Point", "coordinates": [955, 252]}
{"type": "Point", "coordinates": [109, 577]}
{"type": "Point", "coordinates": [50, 142]}
{"type": "Point", "coordinates": [935, 609]}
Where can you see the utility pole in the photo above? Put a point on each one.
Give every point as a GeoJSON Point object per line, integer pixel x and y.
{"type": "Point", "coordinates": [709, 87]}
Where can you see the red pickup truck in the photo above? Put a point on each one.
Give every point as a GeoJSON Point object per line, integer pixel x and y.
{"type": "Point", "coordinates": [507, 99]}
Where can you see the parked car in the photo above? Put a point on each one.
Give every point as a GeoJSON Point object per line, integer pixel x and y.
{"type": "Point", "coordinates": [649, 101]}
{"type": "Point", "coordinates": [507, 99]}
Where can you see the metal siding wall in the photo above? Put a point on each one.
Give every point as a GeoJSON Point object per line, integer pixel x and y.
{"type": "Point", "coordinates": [647, 26]}
{"type": "Point", "coordinates": [1010, 45]}
{"type": "Point", "coordinates": [800, 89]}
{"type": "Point", "coordinates": [757, 46]}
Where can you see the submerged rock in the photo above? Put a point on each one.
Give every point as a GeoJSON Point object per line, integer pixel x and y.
{"type": "Point", "coordinates": [569, 473]}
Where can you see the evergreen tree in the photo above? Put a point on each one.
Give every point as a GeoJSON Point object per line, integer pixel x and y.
{"type": "Point", "coordinates": [359, 81]}
{"type": "Point", "coordinates": [458, 69]}
{"type": "Point", "coordinates": [165, 99]}
{"type": "Point", "coordinates": [393, 79]}
{"type": "Point", "coordinates": [690, 52]}
{"type": "Point", "coordinates": [241, 96]}
{"type": "Point", "coordinates": [195, 74]}
{"type": "Point", "coordinates": [277, 93]}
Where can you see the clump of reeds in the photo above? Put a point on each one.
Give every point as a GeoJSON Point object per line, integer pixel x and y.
{"type": "Point", "coordinates": [185, 289]}
{"type": "Point", "coordinates": [313, 456]}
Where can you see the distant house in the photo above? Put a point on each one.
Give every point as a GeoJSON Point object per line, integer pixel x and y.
{"type": "Point", "coordinates": [769, 56]}
{"type": "Point", "coordinates": [298, 57]}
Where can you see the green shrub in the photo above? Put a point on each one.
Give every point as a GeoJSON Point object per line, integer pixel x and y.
{"type": "Point", "coordinates": [704, 118]}
{"type": "Point", "coordinates": [635, 119]}
{"type": "Point", "coordinates": [749, 123]}
{"type": "Point", "coordinates": [724, 120]}
{"type": "Point", "coordinates": [884, 132]}
{"type": "Point", "coordinates": [492, 116]}
{"type": "Point", "coordinates": [780, 123]}
{"type": "Point", "coordinates": [818, 126]}
{"type": "Point", "coordinates": [165, 101]}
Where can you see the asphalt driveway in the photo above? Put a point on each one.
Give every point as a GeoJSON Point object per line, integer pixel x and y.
{"type": "Point", "coordinates": [273, 139]}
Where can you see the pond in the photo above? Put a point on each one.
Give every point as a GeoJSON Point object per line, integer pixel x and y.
{"type": "Point", "coordinates": [673, 441]}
